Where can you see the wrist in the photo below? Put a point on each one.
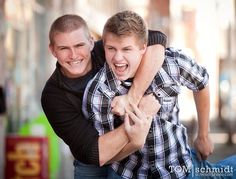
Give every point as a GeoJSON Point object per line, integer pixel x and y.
{"type": "Point", "coordinates": [122, 132]}
{"type": "Point", "coordinates": [203, 135]}
{"type": "Point", "coordinates": [136, 145]}
{"type": "Point", "coordinates": [133, 96]}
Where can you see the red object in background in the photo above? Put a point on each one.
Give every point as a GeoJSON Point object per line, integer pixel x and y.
{"type": "Point", "coordinates": [26, 158]}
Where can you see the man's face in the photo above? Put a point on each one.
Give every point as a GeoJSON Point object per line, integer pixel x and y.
{"type": "Point", "coordinates": [73, 52]}
{"type": "Point", "coordinates": [123, 55]}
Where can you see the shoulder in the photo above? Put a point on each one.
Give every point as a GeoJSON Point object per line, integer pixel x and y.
{"type": "Point", "coordinates": [178, 56]}
{"type": "Point", "coordinates": [52, 93]}
{"type": "Point", "coordinates": [98, 54]}
{"type": "Point", "coordinates": [98, 80]}
{"type": "Point", "coordinates": [177, 53]}
{"type": "Point", "coordinates": [51, 84]}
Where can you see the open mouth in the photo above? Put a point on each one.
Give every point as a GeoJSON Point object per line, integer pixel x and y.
{"type": "Point", "coordinates": [120, 67]}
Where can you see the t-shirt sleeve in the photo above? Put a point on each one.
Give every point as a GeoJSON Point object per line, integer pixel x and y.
{"type": "Point", "coordinates": [99, 53]}
{"type": "Point", "coordinates": [69, 124]}
{"type": "Point", "coordinates": [156, 37]}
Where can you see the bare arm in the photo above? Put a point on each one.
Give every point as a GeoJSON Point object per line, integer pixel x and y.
{"type": "Point", "coordinates": [140, 118]}
{"type": "Point", "coordinates": [130, 136]}
{"type": "Point", "coordinates": [203, 143]}
{"type": "Point", "coordinates": [114, 141]}
{"type": "Point", "coordinates": [150, 65]}
{"type": "Point", "coordinates": [134, 122]}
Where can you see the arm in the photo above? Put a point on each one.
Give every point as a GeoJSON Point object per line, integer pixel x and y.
{"type": "Point", "coordinates": [134, 122]}
{"type": "Point", "coordinates": [203, 143]}
{"type": "Point", "coordinates": [69, 124]}
{"type": "Point", "coordinates": [96, 107]}
{"type": "Point", "coordinates": [114, 141]}
{"type": "Point", "coordinates": [151, 63]}
{"type": "Point", "coordinates": [140, 118]}
{"type": "Point", "coordinates": [133, 132]}
{"type": "Point", "coordinates": [196, 78]}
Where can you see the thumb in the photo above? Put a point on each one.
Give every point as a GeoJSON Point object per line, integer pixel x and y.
{"type": "Point", "coordinates": [199, 156]}
{"type": "Point", "coordinates": [113, 102]}
{"type": "Point", "coordinates": [127, 122]}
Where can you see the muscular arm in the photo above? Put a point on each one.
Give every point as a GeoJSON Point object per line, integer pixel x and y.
{"type": "Point", "coordinates": [196, 78]}
{"type": "Point", "coordinates": [69, 124]}
{"type": "Point", "coordinates": [134, 120]}
{"type": "Point", "coordinates": [202, 101]}
{"type": "Point", "coordinates": [111, 143]}
{"type": "Point", "coordinates": [142, 117]}
{"type": "Point", "coordinates": [203, 143]}
{"type": "Point", "coordinates": [150, 65]}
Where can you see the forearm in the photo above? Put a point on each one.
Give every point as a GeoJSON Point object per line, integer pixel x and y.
{"type": "Point", "coordinates": [126, 151]}
{"type": "Point", "coordinates": [150, 65]}
{"type": "Point", "coordinates": [202, 100]}
{"type": "Point", "coordinates": [111, 143]}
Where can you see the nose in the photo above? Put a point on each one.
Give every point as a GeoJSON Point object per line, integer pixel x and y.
{"type": "Point", "coordinates": [73, 54]}
{"type": "Point", "coordinates": [118, 56]}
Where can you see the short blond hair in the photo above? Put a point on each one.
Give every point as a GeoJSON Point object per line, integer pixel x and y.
{"type": "Point", "coordinates": [126, 23]}
{"type": "Point", "coordinates": [67, 23]}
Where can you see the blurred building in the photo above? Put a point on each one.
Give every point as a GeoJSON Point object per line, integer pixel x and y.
{"type": "Point", "coordinates": [205, 29]}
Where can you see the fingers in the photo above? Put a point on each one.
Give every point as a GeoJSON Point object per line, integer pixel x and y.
{"type": "Point", "coordinates": [138, 117]}
{"type": "Point", "coordinates": [137, 111]}
{"type": "Point", "coordinates": [132, 116]}
{"type": "Point", "coordinates": [117, 111]}
{"type": "Point", "coordinates": [199, 156]}
{"type": "Point", "coordinates": [113, 102]}
{"type": "Point", "coordinates": [206, 155]}
{"type": "Point", "coordinates": [127, 123]}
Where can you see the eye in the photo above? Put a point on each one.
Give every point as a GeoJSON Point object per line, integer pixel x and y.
{"type": "Point", "coordinates": [79, 45]}
{"type": "Point", "coordinates": [110, 48]}
{"type": "Point", "coordinates": [62, 48]}
{"type": "Point", "coordinates": [127, 49]}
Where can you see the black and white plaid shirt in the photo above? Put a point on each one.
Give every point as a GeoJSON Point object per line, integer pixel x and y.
{"type": "Point", "coordinates": [166, 153]}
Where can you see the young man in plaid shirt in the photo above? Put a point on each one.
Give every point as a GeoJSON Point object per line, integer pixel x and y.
{"type": "Point", "coordinates": [166, 153]}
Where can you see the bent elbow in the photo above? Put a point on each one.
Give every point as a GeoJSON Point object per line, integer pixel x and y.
{"type": "Point", "coordinates": [102, 162]}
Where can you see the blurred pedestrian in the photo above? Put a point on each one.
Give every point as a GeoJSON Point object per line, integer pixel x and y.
{"type": "Point", "coordinates": [2, 101]}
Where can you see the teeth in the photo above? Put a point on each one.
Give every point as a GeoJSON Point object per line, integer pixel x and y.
{"type": "Point", "coordinates": [76, 62]}
{"type": "Point", "coordinates": [119, 65]}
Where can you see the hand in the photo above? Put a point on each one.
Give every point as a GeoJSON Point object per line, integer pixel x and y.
{"type": "Point", "coordinates": [204, 147]}
{"type": "Point", "coordinates": [137, 126]}
{"type": "Point", "coordinates": [149, 105]}
{"type": "Point", "coordinates": [119, 104]}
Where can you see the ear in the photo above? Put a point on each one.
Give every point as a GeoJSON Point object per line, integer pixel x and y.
{"type": "Point", "coordinates": [50, 46]}
{"type": "Point", "coordinates": [91, 40]}
{"type": "Point", "coordinates": [143, 48]}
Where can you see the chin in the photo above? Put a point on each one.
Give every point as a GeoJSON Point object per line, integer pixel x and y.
{"type": "Point", "coordinates": [122, 78]}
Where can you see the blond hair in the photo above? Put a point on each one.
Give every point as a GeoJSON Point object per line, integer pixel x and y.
{"type": "Point", "coordinates": [67, 23]}
{"type": "Point", "coordinates": [127, 23]}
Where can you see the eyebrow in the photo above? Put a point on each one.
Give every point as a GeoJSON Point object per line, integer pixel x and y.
{"type": "Point", "coordinates": [65, 46]}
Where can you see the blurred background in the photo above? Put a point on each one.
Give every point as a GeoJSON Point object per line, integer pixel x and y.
{"type": "Point", "coordinates": [204, 29]}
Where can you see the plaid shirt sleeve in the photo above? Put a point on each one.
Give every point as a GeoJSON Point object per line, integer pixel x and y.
{"type": "Point", "coordinates": [192, 75]}
{"type": "Point", "coordinates": [96, 105]}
